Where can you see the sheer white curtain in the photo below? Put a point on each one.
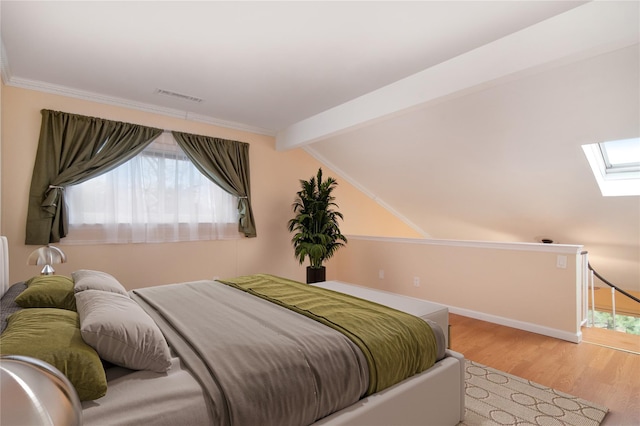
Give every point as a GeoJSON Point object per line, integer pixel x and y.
{"type": "Point", "coordinates": [158, 196]}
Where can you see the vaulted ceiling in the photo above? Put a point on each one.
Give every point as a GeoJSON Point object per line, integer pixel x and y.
{"type": "Point", "coordinates": [463, 118]}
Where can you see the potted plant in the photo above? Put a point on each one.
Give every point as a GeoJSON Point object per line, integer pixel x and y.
{"type": "Point", "coordinates": [317, 234]}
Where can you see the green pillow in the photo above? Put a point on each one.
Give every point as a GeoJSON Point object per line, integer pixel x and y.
{"type": "Point", "coordinates": [53, 335]}
{"type": "Point", "coordinates": [48, 291]}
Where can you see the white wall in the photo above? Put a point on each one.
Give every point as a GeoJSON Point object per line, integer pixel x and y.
{"type": "Point", "coordinates": [505, 163]}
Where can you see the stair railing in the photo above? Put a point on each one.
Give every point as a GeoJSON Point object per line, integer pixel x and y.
{"type": "Point", "coordinates": [594, 274]}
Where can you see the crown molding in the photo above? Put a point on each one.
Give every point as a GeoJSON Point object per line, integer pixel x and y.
{"type": "Point", "coordinates": [41, 86]}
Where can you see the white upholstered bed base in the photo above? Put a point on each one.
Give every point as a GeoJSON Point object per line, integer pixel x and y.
{"type": "Point", "coordinates": [434, 397]}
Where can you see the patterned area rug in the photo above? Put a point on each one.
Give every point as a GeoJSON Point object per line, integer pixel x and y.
{"type": "Point", "coordinates": [497, 398]}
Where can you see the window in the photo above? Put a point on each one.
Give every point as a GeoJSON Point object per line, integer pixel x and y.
{"type": "Point", "coordinates": [621, 156]}
{"type": "Point", "coordinates": [158, 196]}
{"type": "Point", "coordinates": [616, 166]}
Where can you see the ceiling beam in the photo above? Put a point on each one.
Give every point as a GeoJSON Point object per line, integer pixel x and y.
{"type": "Point", "coordinates": [588, 30]}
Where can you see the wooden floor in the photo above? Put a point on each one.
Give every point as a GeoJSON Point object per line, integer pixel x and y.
{"type": "Point", "coordinates": [612, 339]}
{"type": "Point", "coordinates": [593, 372]}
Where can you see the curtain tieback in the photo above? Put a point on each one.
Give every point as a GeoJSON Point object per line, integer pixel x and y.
{"type": "Point", "coordinates": [242, 207]}
{"type": "Point", "coordinates": [51, 197]}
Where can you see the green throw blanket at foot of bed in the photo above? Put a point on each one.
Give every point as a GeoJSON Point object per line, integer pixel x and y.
{"type": "Point", "coordinates": [396, 345]}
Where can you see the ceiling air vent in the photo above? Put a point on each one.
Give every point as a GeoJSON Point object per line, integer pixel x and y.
{"type": "Point", "coordinates": [178, 95]}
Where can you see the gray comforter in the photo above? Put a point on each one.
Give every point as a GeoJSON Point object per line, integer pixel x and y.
{"type": "Point", "coordinates": [259, 364]}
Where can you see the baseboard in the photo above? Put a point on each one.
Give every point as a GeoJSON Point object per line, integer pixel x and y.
{"type": "Point", "coordinates": [521, 325]}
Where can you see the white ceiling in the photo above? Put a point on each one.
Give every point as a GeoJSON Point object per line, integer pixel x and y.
{"type": "Point", "coordinates": [465, 118]}
{"type": "Point", "coordinates": [264, 65]}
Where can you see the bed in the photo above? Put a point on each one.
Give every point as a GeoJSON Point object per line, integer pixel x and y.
{"type": "Point", "coordinates": [266, 363]}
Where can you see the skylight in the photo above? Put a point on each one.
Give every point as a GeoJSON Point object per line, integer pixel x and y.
{"type": "Point", "coordinates": [616, 166]}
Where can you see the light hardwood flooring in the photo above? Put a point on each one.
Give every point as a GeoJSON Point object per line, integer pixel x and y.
{"type": "Point", "coordinates": [593, 372]}
{"type": "Point", "coordinates": [612, 339]}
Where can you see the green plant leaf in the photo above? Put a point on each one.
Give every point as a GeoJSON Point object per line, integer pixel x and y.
{"type": "Point", "coordinates": [316, 230]}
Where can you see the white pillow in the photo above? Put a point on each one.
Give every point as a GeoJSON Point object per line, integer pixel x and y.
{"type": "Point", "coordinates": [121, 331]}
{"type": "Point", "coordinates": [85, 279]}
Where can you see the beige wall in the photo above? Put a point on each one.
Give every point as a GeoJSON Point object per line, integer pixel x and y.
{"type": "Point", "coordinates": [522, 288]}
{"type": "Point", "coordinates": [274, 182]}
{"type": "Point", "coordinates": [515, 284]}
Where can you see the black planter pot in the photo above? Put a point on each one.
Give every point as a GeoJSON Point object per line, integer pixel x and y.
{"type": "Point", "coordinates": [316, 275]}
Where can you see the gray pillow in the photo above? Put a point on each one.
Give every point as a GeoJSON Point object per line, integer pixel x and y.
{"type": "Point", "coordinates": [85, 279]}
{"type": "Point", "coordinates": [121, 331]}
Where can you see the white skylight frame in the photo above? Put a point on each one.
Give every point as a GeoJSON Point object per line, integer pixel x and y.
{"type": "Point", "coordinates": [614, 177]}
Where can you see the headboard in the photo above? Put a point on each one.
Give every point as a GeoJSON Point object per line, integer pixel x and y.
{"type": "Point", "coordinates": [4, 265]}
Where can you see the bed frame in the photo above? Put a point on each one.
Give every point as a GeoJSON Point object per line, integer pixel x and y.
{"type": "Point", "coordinates": [435, 396]}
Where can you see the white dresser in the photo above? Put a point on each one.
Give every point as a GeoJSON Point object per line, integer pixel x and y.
{"type": "Point", "coordinates": [411, 305]}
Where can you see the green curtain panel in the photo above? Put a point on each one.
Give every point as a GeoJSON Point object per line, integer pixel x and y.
{"type": "Point", "coordinates": [226, 163]}
{"type": "Point", "coordinates": [72, 149]}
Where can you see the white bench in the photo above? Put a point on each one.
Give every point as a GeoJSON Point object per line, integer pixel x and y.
{"type": "Point", "coordinates": [411, 305]}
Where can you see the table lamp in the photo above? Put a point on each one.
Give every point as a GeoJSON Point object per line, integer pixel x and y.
{"type": "Point", "coordinates": [47, 256]}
